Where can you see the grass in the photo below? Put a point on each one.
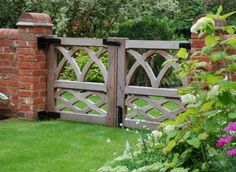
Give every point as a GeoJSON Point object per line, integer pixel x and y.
{"type": "Point", "coordinates": [58, 146]}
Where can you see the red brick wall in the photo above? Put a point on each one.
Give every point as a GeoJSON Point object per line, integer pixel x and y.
{"type": "Point", "coordinates": [23, 67]}
{"type": "Point", "coordinates": [199, 43]}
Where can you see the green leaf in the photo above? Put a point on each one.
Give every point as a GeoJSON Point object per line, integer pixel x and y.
{"type": "Point", "coordinates": [181, 118]}
{"type": "Point", "coordinates": [227, 15]}
{"type": "Point", "coordinates": [212, 80]}
{"type": "Point", "coordinates": [168, 122]}
{"type": "Point", "coordinates": [211, 125]}
{"type": "Point", "coordinates": [219, 10]}
{"type": "Point", "coordinates": [225, 98]}
{"type": "Point", "coordinates": [182, 53]}
{"type": "Point", "coordinates": [229, 41]}
{"type": "Point", "coordinates": [207, 106]}
{"type": "Point", "coordinates": [232, 67]}
{"type": "Point", "coordinates": [229, 29]}
{"type": "Point", "coordinates": [203, 136]}
{"type": "Point", "coordinates": [218, 56]}
{"type": "Point", "coordinates": [194, 142]}
{"type": "Point", "coordinates": [170, 135]}
{"type": "Point", "coordinates": [211, 41]}
{"type": "Point", "coordinates": [232, 115]}
{"type": "Point", "coordinates": [206, 50]}
{"type": "Point", "coordinates": [232, 57]}
{"type": "Point", "coordinates": [170, 146]}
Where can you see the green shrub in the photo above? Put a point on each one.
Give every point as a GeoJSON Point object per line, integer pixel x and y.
{"type": "Point", "coordinates": [190, 143]}
{"type": "Point", "coordinates": [94, 73]}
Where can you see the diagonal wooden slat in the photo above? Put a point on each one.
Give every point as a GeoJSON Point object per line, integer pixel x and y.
{"type": "Point", "coordinates": [71, 61]}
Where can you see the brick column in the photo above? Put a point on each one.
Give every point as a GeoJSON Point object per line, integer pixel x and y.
{"type": "Point", "coordinates": [32, 64]}
{"type": "Point", "coordinates": [26, 65]}
{"type": "Point", "coordinates": [8, 70]}
{"type": "Point", "coordinates": [199, 43]}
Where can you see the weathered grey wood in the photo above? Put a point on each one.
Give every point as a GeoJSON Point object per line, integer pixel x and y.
{"type": "Point", "coordinates": [63, 61]}
{"type": "Point", "coordinates": [82, 117]}
{"type": "Point", "coordinates": [80, 85]}
{"type": "Point", "coordinates": [81, 41]}
{"type": "Point", "coordinates": [170, 45]}
{"type": "Point", "coordinates": [91, 62]}
{"type": "Point", "coordinates": [112, 84]}
{"type": "Point", "coordinates": [71, 60]}
{"type": "Point", "coordinates": [162, 74]}
{"type": "Point", "coordinates": [51, 68]}
{"type": "Point", "coordinates": [79, 97]}
{"type": "Point", "coordinates": [95, 59]}
{"type": "Point", "coordinates": [138, 90]}
{"type": "Point", "coordinates": [133, 123]}
{"type": "Point", "coordinates": [121, 75]}
{"type": "Point", "coordinates": [139, 58]}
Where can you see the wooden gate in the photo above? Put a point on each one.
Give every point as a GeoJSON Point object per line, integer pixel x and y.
{"type": "Point", "coordinates": [115, 100]}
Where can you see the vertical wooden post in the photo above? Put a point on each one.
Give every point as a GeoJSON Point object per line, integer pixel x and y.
{"type": "Point", "coordinates": [112, 84]}
{"type": "Point", "coordinates": [121, 77]}
{"type": "Point", "coordinates": [51, 69]}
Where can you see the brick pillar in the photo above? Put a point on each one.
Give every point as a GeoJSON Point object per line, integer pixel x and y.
{"type": "Point", "coordinates": [25, 81]}
{"type": "Point", "coordinates": [199, 43]}
{"type": "Point", "coordinates": [8, 70]}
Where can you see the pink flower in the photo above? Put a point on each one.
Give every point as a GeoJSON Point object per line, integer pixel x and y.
{"type": "Point", "coordinates": [223, 140]}
{"type": "Point", "coordinates": [231, 152]}
{"type": "Point", "coordinates": [231, 127]}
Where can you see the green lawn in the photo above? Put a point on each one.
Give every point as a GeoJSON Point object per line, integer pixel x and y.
{"type": "Point", "coordinates": [58, 146]}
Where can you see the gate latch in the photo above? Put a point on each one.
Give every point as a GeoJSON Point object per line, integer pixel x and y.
{"type": "Point", "coordinates": [44, 42]}
{"type": "Point", "coordinates": [114, 43]}
{"type": "Point", "coordinates": [186, 45]}
{"type": "Point", "coordinates": [120, 115]}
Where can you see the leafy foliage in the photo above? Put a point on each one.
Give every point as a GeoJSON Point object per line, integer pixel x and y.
{"type": "Point", "coordinates": [189, 142]}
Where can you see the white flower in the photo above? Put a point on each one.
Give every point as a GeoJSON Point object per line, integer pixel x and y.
{"type": "Point", "coordinates": [169, 128]}
{"type": "Point", "coordinates": [215, 91]}
{"type": "Point", "coordinates": [202, 23]}
{"type": "Point", "coordinates": [156, 133]}
{"type": "Point", "coordinates": [137, 122]}
{"type": "Point", "coordinates": [188, 98]}
{"type": "Point", "coordinates": [108, 140]}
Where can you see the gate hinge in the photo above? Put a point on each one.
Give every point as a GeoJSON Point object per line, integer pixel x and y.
{"type": "Point", "coordinates": [43, 42]}
{"type": "Point", "coordinates": [114, 43]}
{"type": "Point", "coordinates": [186, 45]}
{"type": "Point", "coordinates": [43, 115]}
{"type": "Point", "coordinates": [120, 115]}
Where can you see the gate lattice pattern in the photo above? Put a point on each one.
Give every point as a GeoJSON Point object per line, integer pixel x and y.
{"type": "Point", "coordinates": [98, 102]}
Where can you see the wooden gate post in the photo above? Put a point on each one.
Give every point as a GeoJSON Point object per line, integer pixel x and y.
{"type": "Point", "coordinates": [121, 80]}
{"type": "Point", "coordinates": [51, 68]}
{"type": "Point", "coordinates": [116, 81]}
{"type": "Point", "coordinates": [112, 83]}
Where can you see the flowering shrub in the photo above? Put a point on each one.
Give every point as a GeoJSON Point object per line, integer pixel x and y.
{"type": "Point", "coordinates": [190, 143]}
{"type": "Point", "coordinates": [231, 129]}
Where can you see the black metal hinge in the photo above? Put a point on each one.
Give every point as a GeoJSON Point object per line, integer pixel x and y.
{"type": "Point", "coordinates": [186, 45]}
{"type": "Point", "coordinates": [114, 43]}
{"type": "Point", "coordinates": [120, 115]}
{"type": "Point", "coordinates": [44, 42]}
{"type": "Point", "coordinates": [43, 115]}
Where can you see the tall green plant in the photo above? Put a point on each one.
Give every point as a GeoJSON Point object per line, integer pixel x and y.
{"type": "Point", "coordinates": [190, 143]}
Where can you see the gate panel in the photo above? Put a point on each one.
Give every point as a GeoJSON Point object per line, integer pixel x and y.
{"type": "Point", "coordinates": [150, 105]}
{"type": "Point", "coordinates": [117, 99]}
{"type": "Point", "coordinates": [78, 100]}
